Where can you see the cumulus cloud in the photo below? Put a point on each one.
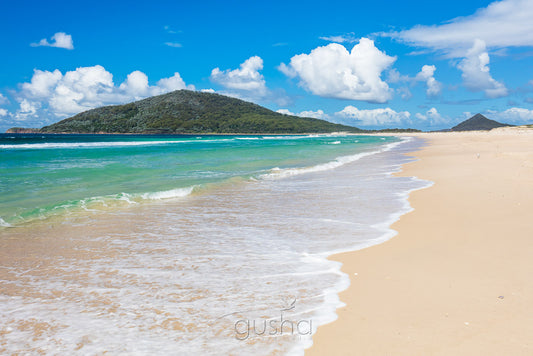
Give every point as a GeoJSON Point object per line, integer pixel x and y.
{"type": "Point", "coordinates": [514, 115]}
{"type": "Point", "coordinates": [246, 78]}
{"type": "Point", "coordinates": [375, 117]}
{"type": "Point", "coordinates": [173, 83]}
{"type": "Point", "coordinates": [432, 117]}
{"type": "Point", "coordinates": [501, 24]}
{"type": "Point", "coordinates": [58, 40]}
{"type": "Point", "coordinates": [136, 85]}
{"type": "Point", "coordinates": [334, 72]}
{"type": "Point", "coordinates": [75, 91]}
{"type": "Point", "coordinates": [247, 83]}
{"type": "Point", "coordinates": [27, 110]}
{"type": "Point", "coordinates": [285, 112]}
{"type": "Point", "coordinates": [426, 74]}
{"type": "Point", "coordinates": [319, 114]}
{"type": "Point", "coordinates": [3, 112]}
{"type": "Point", "coordinates": [86, 88]}
{"type": "Point", "coordinates": [476, 73]}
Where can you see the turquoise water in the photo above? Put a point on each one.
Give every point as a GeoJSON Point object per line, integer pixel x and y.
{"type": "Point", "coordinates": [44, 175]}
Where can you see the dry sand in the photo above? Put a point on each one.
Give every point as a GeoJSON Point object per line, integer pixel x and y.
{"type": "Point", "coordinates": [458, 278]}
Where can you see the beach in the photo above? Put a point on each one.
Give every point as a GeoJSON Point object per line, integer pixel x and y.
{"type": "Point", "coordinates": [456, 280]}
{"type": "Point", "coordinates": [200, 259]}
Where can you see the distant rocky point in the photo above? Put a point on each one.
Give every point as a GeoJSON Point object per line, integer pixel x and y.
{"type": "Point", "coordinates": [478, 122]}
{"type": "Point", "coordinates": [22, 130]}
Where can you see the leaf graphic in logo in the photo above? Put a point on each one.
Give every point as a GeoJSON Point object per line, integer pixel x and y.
{"type": "Point", "coordinates": [289, 303]}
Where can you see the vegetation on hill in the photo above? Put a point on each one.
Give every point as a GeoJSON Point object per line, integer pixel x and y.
{"type": "Point", "coordinates": [478, 122]}
{"type": "Point", "coordinates": [186, 112]}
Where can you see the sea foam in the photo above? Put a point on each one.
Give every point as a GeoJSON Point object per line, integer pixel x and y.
{"type": "Point", "coordinates": [277, 172]}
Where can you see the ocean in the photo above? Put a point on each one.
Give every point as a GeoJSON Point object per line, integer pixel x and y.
{"type": "Point", "coordinates": [127, 244]}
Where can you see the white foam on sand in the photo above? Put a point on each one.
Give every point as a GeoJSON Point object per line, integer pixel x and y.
{"type": "Point", "coordinates": [337, 162]}
{"type": "Point", "coordinates": [3, 223]}
{"type": "Point", "coordinates": [169, 194]}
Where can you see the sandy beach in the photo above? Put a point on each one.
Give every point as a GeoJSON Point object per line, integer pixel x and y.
{"type": "Point", "coordinates": [456, 280]}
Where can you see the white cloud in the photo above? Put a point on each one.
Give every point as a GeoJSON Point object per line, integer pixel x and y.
{"type": "Point", "coordinates": [59, 40]}
{"type": "Point", "coordinates": [3, 99]}
{"type": "Point", "coordinates": [210, 90]}
{"type": "Point", "coordinates": [42, 83]}
{"type": "Point", "coordinates": [319, 114]}
{"type": "Point", "coordinates": [79, 90]}
{"type": "Point", "coordinates": [27, 110]}
{"type": "Point", "coordinates": [136, 85]}
{"type": "Point", "coordinates": [168, 29]}
{"type": "Point", "coordinates": [512, 115]}
{"type": "Point", "coordinates": [247, 83]}
{"type": "Point", "coordinates": [173, 83]}
{"type": "Point", "coordinates": [28, 107]}
{"type": "Point", "coordinates": [375, 117]}
{"type": "Point", "coordinates": [332, 71]}
{"type": "Point", "coordinates": [86, 88]}
{"type": "Point", "coordinates": [501, 24]}
{"type": "Point", "coordinates": [246, 78]}
{"type": "Point", "coordinates": [393, 76]}
{"type": "Point", "coordinates": [405, 93]}
{"type": "Point", "coordinates": [476, 73]}
{"type": "Point", "coordinates": [349, 38]}
{"type": "Point", "coordinates": [285, 112]}
{"type": "Point", "coordinates": [173, 44]}
{"type": "Point", "coordinates": [3, 112]}
{"type": "Point", "coordinates": [432, 117]}
{"type": "Point", "coordinates": [426, 74]}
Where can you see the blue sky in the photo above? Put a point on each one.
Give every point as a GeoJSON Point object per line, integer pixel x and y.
{"type": "Point", "coordinates": [427, 65]}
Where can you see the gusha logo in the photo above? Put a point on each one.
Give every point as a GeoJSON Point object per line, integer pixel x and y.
{"type": "Point", "coordinates": [245, 328]}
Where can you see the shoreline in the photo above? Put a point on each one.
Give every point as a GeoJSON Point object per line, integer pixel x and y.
{"type": "Point", "coordinates": [454, 279]}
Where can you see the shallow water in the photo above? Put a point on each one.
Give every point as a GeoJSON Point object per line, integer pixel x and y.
{"type": "Point", "coordinates": [216, 271]}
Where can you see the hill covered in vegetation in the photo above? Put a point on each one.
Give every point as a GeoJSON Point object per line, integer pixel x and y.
{"type": "Point", "coordinates": [190, 112]}
{"type": "Point", "coordinates": [478, 122]}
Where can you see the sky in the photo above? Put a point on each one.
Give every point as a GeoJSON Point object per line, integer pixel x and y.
{"type": "Point", "coordinates": [371, 64]}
